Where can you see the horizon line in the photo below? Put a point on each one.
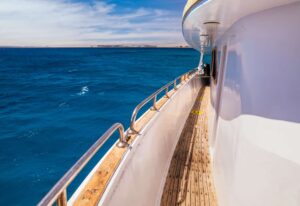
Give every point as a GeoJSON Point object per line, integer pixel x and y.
{"type": "Point", "coordinates": [95, 47]}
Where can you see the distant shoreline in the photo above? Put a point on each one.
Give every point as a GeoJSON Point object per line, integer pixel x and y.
{"type": "Point", "coordinates": [97, 47]}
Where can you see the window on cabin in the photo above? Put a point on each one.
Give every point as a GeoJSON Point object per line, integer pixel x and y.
{"type": "Point", "coordinates": [214, 65]}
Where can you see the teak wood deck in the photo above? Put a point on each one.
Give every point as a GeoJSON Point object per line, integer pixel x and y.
{"type": "Point", "coordinates": [189, 180]}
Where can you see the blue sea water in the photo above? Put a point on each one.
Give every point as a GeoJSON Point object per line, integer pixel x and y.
{"type": "Point", "coordinates": [55, 103]}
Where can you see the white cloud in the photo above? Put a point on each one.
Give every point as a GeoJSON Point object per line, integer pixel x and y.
{"type": "Point", "coordinates": [66, 23]}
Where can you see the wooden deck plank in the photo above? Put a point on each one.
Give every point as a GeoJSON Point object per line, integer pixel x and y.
{"type": "Point", "coordinates": [185, 160]}
{"type": "Point", "coordinates": [181, 190]}
{"type": "Point", "coordinates": [189, 180]}
{"type": "Point", "coordinates": [176, 162]}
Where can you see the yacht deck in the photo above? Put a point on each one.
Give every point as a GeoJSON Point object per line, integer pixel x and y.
{"type": "Point", "coordinates": [189, 180]}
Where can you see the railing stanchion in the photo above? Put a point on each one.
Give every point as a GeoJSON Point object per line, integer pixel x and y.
{"type": "Point", "coordinates": [175, 84]}
{"type": "Point", "coordinates": [167, 90]}
{"type": "Point", "coordinates": [122, 140]}
{"type": "Point", "coordinates": [154, 102]}
{"type": "Point", "coordinates": [62, 199]}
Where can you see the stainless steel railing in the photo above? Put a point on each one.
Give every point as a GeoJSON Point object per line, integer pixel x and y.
{"type": "Point", "coordinates": [58, 193]}
{"type": "Point", "coordinates": [154, 98]}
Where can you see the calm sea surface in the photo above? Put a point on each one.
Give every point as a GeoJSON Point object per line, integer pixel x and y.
{"type": "Point", "coordinates": [55, 103]}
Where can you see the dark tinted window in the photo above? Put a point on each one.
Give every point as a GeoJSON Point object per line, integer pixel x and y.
{"type": "Point", "coordinates": [214, 65]}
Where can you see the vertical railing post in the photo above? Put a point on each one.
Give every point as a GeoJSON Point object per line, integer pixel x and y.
{"type": "Point", "coordinates": [62, 199]}
{"type": "Point", "coordinates": [122, 140]}
{"type": "Point", "coordinates": [175, 84]}
{"type": "Point", "coordinates": [167, 90]}
{"type": "Point", "coordinates": [182, 79]}
{"type": "Point", "coordinates": [154, 102]}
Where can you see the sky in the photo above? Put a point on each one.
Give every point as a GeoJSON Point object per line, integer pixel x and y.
{"type": "Point", "coordinates": [40, 23]}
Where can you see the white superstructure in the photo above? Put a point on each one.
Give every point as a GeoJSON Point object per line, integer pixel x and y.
{"type": "Point", "coordinates": [255, 130]}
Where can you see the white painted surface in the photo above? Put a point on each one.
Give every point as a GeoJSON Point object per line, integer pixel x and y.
{"type": "Point", "coordinates": [257, 162]}
{"type": "Point", "coordinates": [227, 12]}
{"type": "Point", "coordinates": [141, 176]}
{"type": "Point", "coordinates": [256, 155]}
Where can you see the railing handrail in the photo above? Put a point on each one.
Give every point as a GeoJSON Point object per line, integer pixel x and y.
{"type": "Point", "coordinates": [60, 187]}
{"type": "Point", "coordinates": [153, 96]}
{"type": "Point", "coordinates": [143, 103]}
{"type": "Point", "coordinates": [59, 191]}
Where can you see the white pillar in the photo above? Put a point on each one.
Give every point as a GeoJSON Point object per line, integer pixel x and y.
{"type": "Point", "coordinates": [200, 69]}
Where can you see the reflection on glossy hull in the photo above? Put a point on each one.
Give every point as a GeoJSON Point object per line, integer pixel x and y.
{"type": "Point", "coordinates": [254, 126]}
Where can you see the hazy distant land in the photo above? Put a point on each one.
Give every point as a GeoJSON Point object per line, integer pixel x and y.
{"type": "Point", "coordinates": [105, 46]}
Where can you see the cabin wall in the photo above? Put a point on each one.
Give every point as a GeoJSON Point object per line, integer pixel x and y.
{"type": "Point", "coordinates": [141, 176]}
{"type": "Point", "coordinates": [256, 155]}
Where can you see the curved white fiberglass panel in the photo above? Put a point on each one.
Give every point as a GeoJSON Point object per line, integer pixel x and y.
{"type": "Point", "coordinates": [256, 156]}
{"type": "Point", "coordinates": [141, 176]}
{"type": "Point", "coordinates": [225, 12]}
